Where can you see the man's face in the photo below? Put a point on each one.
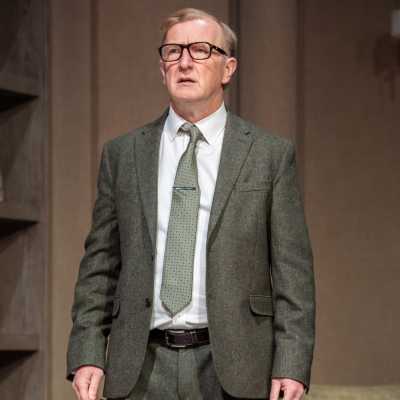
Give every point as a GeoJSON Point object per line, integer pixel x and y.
{"type": "Point", "coordinates": [198, 82]}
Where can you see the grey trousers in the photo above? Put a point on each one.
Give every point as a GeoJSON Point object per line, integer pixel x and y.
{"type": "Point", "coordinates": [178, 374]}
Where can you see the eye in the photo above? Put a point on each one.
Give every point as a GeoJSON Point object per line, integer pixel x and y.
{"type": "Point", "coordinates": [200, 48]}
{"type": "Point", "coordinates": [172, 50]}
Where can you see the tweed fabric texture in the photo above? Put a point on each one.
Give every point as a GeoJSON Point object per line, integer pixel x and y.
{"type": "Point", "coordinates": [177, 280]}
{"type": "Point", "coordinates": [260, 283]}
{"type": "Point", "coordinates": [169, 374]}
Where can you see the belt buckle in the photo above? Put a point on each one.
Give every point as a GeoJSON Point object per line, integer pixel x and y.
{"type": "Point", "coordinates": [173, 345]}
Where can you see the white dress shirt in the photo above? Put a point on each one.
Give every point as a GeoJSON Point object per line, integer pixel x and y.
{"type": "Point", "coordinates": [208, 154]}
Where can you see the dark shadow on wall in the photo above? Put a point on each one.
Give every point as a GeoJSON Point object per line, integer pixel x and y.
{"type": "Point", "coordinates": [16, 32]}
{"type": "Point", "coordinates": [387, 61]}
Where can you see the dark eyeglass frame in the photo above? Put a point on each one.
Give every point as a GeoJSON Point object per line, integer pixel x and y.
{"type": "Point", "coordinates": [187, 46]}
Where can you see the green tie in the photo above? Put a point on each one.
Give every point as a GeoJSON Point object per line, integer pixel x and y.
{"type": "Point", "coordinates": [176, 288]}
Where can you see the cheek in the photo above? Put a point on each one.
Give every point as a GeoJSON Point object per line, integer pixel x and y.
{"type": "Point", "coordinates": [169, 81]}
{"type": "Point", "coordinates": [211, 77]}
{"type": "Point", "coordinates": [168, 74]}
{"type": "Point", "coordinates": [215, 79]}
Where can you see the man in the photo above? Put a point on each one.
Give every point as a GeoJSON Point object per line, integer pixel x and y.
{"type": "Point", "coordinates": [198, 265]}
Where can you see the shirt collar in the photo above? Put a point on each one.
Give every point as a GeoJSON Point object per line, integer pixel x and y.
{"type": "Point", "coordinates": [211, 126]}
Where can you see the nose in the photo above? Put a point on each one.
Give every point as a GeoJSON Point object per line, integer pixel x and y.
{"type": "Point", "coordinates": [186, 60]}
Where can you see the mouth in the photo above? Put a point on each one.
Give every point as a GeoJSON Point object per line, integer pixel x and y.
{"type": "Point", "coordinates": [185, 81]}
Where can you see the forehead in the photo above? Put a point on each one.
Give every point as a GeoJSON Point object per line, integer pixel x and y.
{"type": "Point", "coordinates": [198, 30]}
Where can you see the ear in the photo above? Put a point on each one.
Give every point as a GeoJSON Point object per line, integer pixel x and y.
{"type": "Point", "coordinates": [162, 70]}
{"type": "Point", "coordinates": [229, 69]}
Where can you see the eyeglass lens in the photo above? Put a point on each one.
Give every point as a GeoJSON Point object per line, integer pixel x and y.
{"type": "Point", "coordinates": [198, 51]}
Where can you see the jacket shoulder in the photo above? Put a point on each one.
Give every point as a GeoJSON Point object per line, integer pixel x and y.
{"type": "Point", "coordinates": [121, 142]}
{"type": "Point", "coordinates": [265, 139]}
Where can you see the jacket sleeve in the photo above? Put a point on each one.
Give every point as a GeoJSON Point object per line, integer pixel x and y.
{"type": "Point", "coordinates": [97, 279]}
{"type": "Point", "coordinates": [292, 277]}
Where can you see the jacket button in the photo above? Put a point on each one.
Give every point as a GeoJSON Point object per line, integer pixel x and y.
{"type": "Point", "coordinates": [147, 302]}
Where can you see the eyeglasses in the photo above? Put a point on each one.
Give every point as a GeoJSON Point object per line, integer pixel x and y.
{"type": "Point", "coordinates": [197, 50]}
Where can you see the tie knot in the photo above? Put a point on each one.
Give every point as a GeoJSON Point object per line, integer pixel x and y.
{"type": "Point", "coordinates": [193, 131]}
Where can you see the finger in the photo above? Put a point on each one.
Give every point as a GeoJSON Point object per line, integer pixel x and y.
{"type": "Point", "coordinates": [292, 393]}
{"type": "Point", "coordinates": [76, 390]}
{"type": "Point", "coordinates": [288, 395]}
{"type": "Point", "coordinates": [82, 384]}
{"type": "Point", "coordinates": [94, 385]}
{"type": "Point", "coordinates": [275, 389]}
{"type": "Point", "coordinates": [77, 387]}
{"type": "Point", "coordinates": [300, 394]}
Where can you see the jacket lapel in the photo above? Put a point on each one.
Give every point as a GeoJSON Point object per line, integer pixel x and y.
{"type": "Point", "coordinates": [147, 155]}
{"type": "Point", "coordinates": [235, 148]}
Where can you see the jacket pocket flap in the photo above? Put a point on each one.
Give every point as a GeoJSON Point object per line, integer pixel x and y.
{"type": "Point", "coordinates": [252, 186]}
{"type": "Point", "coordinates": [115, 309]}
{"type": "Point", "coordinates": [261, 305]}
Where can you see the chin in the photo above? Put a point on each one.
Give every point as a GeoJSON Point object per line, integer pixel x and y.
{"type": "Point", "coordinates": [185, 97]}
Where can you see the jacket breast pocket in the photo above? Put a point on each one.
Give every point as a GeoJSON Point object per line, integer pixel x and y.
{"type": "Point", "coordinates": [261, 305]}
{"type": "Point", "coordinates": [252, 186]}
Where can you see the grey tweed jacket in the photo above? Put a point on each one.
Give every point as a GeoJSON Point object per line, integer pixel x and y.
{"type": "Point", "coordinates": [260, 284]}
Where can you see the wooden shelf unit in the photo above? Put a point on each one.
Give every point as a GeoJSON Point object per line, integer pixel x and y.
{"type": "Point", "coordinates": [19, 342]}
{"type": "Point", "coordinates": [10, 99]}
{"type": "Point", "coordinates": [23, 200]}
{"type": "Point", "coordinates": [19, 84]}
{"type": "Point", "coordinates": [18, 213]}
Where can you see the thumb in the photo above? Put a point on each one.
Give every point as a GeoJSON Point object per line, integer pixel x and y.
{"type": "Point", "coordinates": [275, 389]}
{"type": "Point", "coordinates": [94, 385]}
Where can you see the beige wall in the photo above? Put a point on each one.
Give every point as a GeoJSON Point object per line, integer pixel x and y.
{"type": "Point", "coordinates": [352, 191]}
{"type": "Point", "coordinates": [315, 83]}
{"type": "Point", "coordinates": [268, 64]}
{"type": "Point", "coordinates": [71, 153]}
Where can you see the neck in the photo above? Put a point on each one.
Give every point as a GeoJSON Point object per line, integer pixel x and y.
{"type": "Point", "coordinates": [193, 112]}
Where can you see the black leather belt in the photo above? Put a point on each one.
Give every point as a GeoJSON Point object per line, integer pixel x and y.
{"type": "Point", "coordinates": [180, 338]}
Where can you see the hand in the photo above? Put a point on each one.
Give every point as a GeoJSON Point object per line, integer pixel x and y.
{"type": "Point", "coordinates": [292, 389]}
{"type": "Point", "coordinates": [86, 382]}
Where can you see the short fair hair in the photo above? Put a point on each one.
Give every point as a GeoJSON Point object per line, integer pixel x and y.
{"type": "Point", "coordinates": [190, 14]}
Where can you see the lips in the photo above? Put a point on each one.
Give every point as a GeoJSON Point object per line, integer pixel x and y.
{"type": "Point", "coordinates": [186, 80]}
